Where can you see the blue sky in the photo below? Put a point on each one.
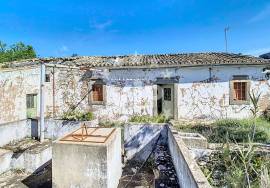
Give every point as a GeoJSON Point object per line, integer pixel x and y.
{"type": "Point", "coordinates": [99, 27]}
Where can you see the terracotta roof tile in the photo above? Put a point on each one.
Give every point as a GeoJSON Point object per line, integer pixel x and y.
{"type": "Point", "coordinates": [187, 59]}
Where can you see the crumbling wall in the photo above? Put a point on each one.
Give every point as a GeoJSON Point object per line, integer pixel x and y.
{"type": "Point", "coordinates": [128, 92]}
{"type": "Point", "coordinates": [203, 93]}
{"type": "Point", "coordinates": [14, 85]}
{"type": "Point", "coordinates": [202, 98]}
{"type": "Point", "coordinates": [65, 91]}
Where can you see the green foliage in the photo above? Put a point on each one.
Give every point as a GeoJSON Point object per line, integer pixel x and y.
{"type": "Point", "coordinates": [15, 52]}
{"type": "Point", "coordinates": [254, 103]}
{"type": "Point", "coordinates": [113, 124]}
{"type": "Point", "coordinates": [231, 129]}
{"type": "Point", "coordinates": [78, 116]}
{"type": "Point", "coordinates": [238, 167]}
{"type": "Point", "coordinates": [149, 119]}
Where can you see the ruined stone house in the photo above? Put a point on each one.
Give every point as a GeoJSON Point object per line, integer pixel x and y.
{"type": "Point", "coordinates": [181, 86]}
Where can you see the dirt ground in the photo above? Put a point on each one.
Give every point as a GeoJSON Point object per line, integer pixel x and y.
{"type": "Point", "coordinates": [18, 178]}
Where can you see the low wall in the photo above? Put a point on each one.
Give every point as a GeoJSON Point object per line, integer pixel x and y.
{"type": "Point", "coordinates": [140, 138]}
{"type": "Point", "coordinates": [14, 131]}
{"type": "Point", "coordinates": [188, 172]}
{"type": "Point", "coordinates": [33, 157]}
{"type": "Point", "coordinates": [5, 160]}
{"type": "Point", "coordinates": [57, 128]}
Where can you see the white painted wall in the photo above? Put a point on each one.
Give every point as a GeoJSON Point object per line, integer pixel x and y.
{"type": "Point", "coordinates": [196, 98]}
{"type": "Point", "coordinates": [130, 91]}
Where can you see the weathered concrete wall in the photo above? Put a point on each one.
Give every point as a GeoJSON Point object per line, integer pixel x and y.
{"type": "Point", "coordinates": [201, 99]}
{"type": "Point", "coordinates": [14, 131]}
{"type": "Point", "coordinates": [114, 160]}
{"type": "Point", "coordinates": [140, 139]}
{"type": "Point", "coordinates": [131, 91]}
{"type": "Point", "coordinates": [55, 129]}
{"type": "Point", "coordinates": [193, 140]}
{"type": "Point", "coordinates": [32, 158]}
{"type": "Point", "coordinates": [14, 85]}
{"type": "Point", "coordinates": [5, 160]}
{"type": "Point", "coordinates": [87, 164]}
{"type": "Point", "coordinates": [66, 89]}
{"type": "Point", "coordinates": [188, 172]}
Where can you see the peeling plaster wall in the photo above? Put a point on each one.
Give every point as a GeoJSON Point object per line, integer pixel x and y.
{"type": "Point", "coordinates": [130, 91]}
{"type": "Point", "coordinates": [200, 99]}
{"type": "Point", "coordinates": [69, 89]}
{"type": "Point", "coordinates": [14, 85]}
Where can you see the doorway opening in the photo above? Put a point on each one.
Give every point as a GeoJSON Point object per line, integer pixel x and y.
{"type": "Point", "coordinates": [165, 100]}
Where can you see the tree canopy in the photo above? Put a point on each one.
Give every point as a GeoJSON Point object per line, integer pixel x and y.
{"type": "Point", "coordinates": [17, 51]}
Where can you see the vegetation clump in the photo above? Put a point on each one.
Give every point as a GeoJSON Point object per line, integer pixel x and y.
{"type": "Point", "coordinates": [238, 167]}
{"type": "Point", "coordinates": [78, 116]}
{"type": "Point", "coordinates": [149, 119]}
{"type": "Point", "coordinates": [231, 129]}
{"type": "Point", "coordinates": [16, 52]}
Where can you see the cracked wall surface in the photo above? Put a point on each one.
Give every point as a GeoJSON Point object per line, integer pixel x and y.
{"type": "Point", "coordinates": [203, 93]}
{"type": "Point", "coordinates": [14, 85]}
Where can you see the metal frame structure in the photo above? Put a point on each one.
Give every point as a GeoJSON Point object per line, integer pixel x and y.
{"type": "Point", "coordinates": [84, 135]}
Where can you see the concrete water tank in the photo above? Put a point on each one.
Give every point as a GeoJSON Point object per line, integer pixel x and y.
{"type": "Point", "coordinates": [87, 157]}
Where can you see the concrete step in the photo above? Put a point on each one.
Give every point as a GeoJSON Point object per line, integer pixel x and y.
{"type": "Point", "coordinates": [32, 158]}
{"type": "Point", "coordinates": [5, 160]}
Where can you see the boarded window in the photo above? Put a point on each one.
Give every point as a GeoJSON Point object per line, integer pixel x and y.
{"type": "Point", "coordinates": [97, 92]}
{"type": "Point", "coordinates": [240, 91]}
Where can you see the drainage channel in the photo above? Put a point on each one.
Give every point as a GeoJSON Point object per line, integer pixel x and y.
{"type": "Point", "coordinates": [158, 171]}
{"type": "Point", "coordinates": [165, 174]}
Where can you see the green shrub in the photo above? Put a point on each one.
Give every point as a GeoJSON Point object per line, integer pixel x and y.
{"type": "Point", "coordinates": [149, 119]}
{"type": "Point", "coordinates": [78, 116]}
{"type": "Point", "coordinates": [227, 169]}
{"type": "Point", "coordinates": [231, 129]}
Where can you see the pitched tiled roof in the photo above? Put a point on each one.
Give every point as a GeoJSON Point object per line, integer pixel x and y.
{"type": "Point", "coordinates": [187, 59]}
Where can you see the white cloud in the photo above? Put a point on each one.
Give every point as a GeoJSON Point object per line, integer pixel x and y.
{"type": "Point", "coordinates": [64, 48]}
{"type": "Point", "coordinates": [100, 25]}
{"type": "Point", "coordinates": [62, 51]}
{"type": "Point", "coordinates": [263, 14]}
{"type": "Point", "coordinates": [257, 52]}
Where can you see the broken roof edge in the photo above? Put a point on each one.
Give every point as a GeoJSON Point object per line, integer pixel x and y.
{"type": "Point", "coordinates": [143, 61]}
